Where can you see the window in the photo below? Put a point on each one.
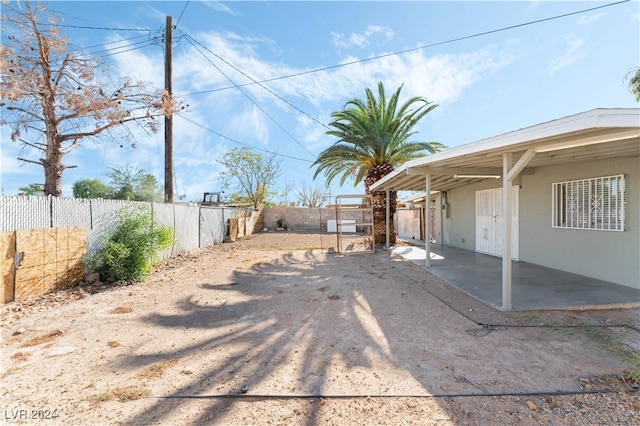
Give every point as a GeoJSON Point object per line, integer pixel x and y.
{"type": "Point", "coordinates": [596, 203]}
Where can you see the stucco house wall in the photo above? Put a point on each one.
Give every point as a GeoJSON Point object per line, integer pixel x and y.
{"type": "Point", "coordinates": [612, 256]}
{"type": "Point", "coordinates": [607, 255]}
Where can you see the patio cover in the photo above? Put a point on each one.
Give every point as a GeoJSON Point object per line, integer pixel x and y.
{"type": "Point", "coordinates": [596, 134]}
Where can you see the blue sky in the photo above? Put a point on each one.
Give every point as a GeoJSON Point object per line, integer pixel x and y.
{"type": "Point", "coordinates": [484, 85]}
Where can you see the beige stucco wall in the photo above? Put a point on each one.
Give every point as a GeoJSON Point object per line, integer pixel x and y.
{"type": "Point", "coordinates": [607, 255]}
{"type": "Point", "coordinates": [408, 223]}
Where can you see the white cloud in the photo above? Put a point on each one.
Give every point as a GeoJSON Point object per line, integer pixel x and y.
{"type": "Point", "coordinates": [15, 173]}
{"type": "Point", "coordinates": [361, 40]}
{"type": "Point", "coordinates": [590, 19]}
{"type": "Point", "coordinates": [250, 124]}
{"type": "Point", "coordinates": [572, 55]}
{"type": "Point", "coordinates": [220, 7]}
{"type": "Point", "coordinates": [532, 7]}
{"type": "Point", "coordinates": [142, 67]}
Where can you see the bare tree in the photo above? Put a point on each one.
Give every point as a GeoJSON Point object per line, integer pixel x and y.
{"type": "Point", "coordinates": [312, 197]}
{"type": "Point", "coordinates": [55, 97]}
{"type": "Point", "coordinates": [286, 190]}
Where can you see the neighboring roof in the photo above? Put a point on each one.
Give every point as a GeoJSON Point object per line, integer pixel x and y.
{"type": "Point", "coordinates": [595, 134]}
{"type": "Point", "coordinates": [416, 199]}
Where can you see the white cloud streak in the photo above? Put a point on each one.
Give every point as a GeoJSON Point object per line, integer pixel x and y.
{"type": "Point", "coordinates": [361, 40]}
{"type": "Point", "coordinates": [572, 55]}
{"type": "Point", "coordinates": [586, 20]}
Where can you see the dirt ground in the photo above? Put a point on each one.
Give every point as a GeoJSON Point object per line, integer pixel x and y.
{"type": "Point", "coordinates": [273, 329]}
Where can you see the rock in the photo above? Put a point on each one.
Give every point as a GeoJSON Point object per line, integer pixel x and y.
{"type": "Point", "coordinates": [92, 278]}
{"type": "Point", "coordinates": [532, 406]}
{"type": "Point", "coordinates": [61, 350]}
{"type": "Point", "coordinates": [19, 331]}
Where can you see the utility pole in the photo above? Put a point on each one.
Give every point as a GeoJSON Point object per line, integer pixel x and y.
{"type": "Point", "coordinates": [168, 118]}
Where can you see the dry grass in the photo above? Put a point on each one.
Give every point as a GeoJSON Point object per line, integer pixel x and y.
{"type": "Point", "coordinates": [157, 369]}
{"type": "Point", "coordinates": [129, 393]}
{"type": "Point", "coordinates": [44, 338]}
{"type": "Point", "coordinates": [21, 356]}
{"type": "Point", "coordinates": [101, 397]}
{"type": "Point", "coordinates": [113, 344]}
{"type": "Point", "coordinates": [121, 310]}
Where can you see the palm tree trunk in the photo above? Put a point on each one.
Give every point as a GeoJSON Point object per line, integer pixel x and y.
{"type": "Point", "coordinates": [379, 204]}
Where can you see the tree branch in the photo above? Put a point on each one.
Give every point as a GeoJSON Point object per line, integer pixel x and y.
{"type": "Point", "coordinates": [25, 111]}
{"type": "Point", "coordinates": [98, 130]}
{"type": "Point", "coordinates": [42, 148]}
{"type": "Point", "coordinates": [40, 163]}
{"type": "Point", "coordinates": [70, 147]}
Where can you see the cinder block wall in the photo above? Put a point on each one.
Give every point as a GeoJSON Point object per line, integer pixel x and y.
{"type": "Point", "coordinates": [304, 218]}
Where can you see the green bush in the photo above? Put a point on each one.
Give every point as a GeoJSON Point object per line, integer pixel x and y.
{"type": "Point", "coordinates": [130, 251]}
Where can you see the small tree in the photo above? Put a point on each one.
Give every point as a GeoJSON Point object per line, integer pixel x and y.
{"type": "Point", "coordinates": [133, 183]}
{"type": "Point", "coordinates": [286, 191]}
{"type": "Point", "coordinates": [55, 96]}
{"type": "Point", "coordinates": [91, 188]}
{"type": "Point", "coordinates": [251, 174]}
{"type": "Point", "coordinates": [125, 183]}
{"type": "Point", "coordinates": [312, 197]}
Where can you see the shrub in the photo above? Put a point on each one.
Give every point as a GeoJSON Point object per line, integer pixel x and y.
{"type": "Point", "coordinates": [130, 251]}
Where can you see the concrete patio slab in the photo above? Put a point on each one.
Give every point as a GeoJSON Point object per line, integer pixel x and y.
{"type": "Point", "coordinates": [533, 286]}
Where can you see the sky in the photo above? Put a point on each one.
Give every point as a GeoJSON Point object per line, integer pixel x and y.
{"type": "Point", "coordinates": [489, 66]}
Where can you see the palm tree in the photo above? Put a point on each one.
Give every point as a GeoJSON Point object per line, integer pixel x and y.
{"type": "Point", "coordinates": [373, 140]}
{"type": "Point", "coordinates": [32, 189]}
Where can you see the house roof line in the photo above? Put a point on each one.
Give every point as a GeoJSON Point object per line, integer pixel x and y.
{"type": "Point", "coordinates": [541, 137]}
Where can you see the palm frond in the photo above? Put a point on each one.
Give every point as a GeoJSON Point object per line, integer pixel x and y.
{"type": "Point", "coordinates": [373, 136]}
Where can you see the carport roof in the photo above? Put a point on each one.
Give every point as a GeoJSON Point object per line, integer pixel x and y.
{"type": "Point", "coordinates": [596, 134]}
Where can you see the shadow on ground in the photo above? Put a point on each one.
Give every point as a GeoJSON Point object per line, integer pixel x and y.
{"type": "Point", "coordinates": [310, 323]}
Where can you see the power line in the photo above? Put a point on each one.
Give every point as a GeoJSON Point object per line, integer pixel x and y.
{"type": "Point", "coordinates": [181, 13]}
{"type": "Point", "coordinates": [386, 55]}
{"type": "Point", "coordinates": [128, 47]}
{"type": "Point", "coordinates": [259, 84]}
{"type": "Point", "coordinates": [202, 126]}
{"type": "Point", "coordinates": [108, 43]}
{"type": "Point", "coordinates": [193, 43]}
{"type": "Point", "coordinates": [94, 28]}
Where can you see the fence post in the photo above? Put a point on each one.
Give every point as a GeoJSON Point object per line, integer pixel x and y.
{"type": "Point", "coordinates": [51, 210]}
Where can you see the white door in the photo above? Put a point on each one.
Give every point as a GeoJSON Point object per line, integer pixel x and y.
{"type": "Point", "coordinates": [489, 222]}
